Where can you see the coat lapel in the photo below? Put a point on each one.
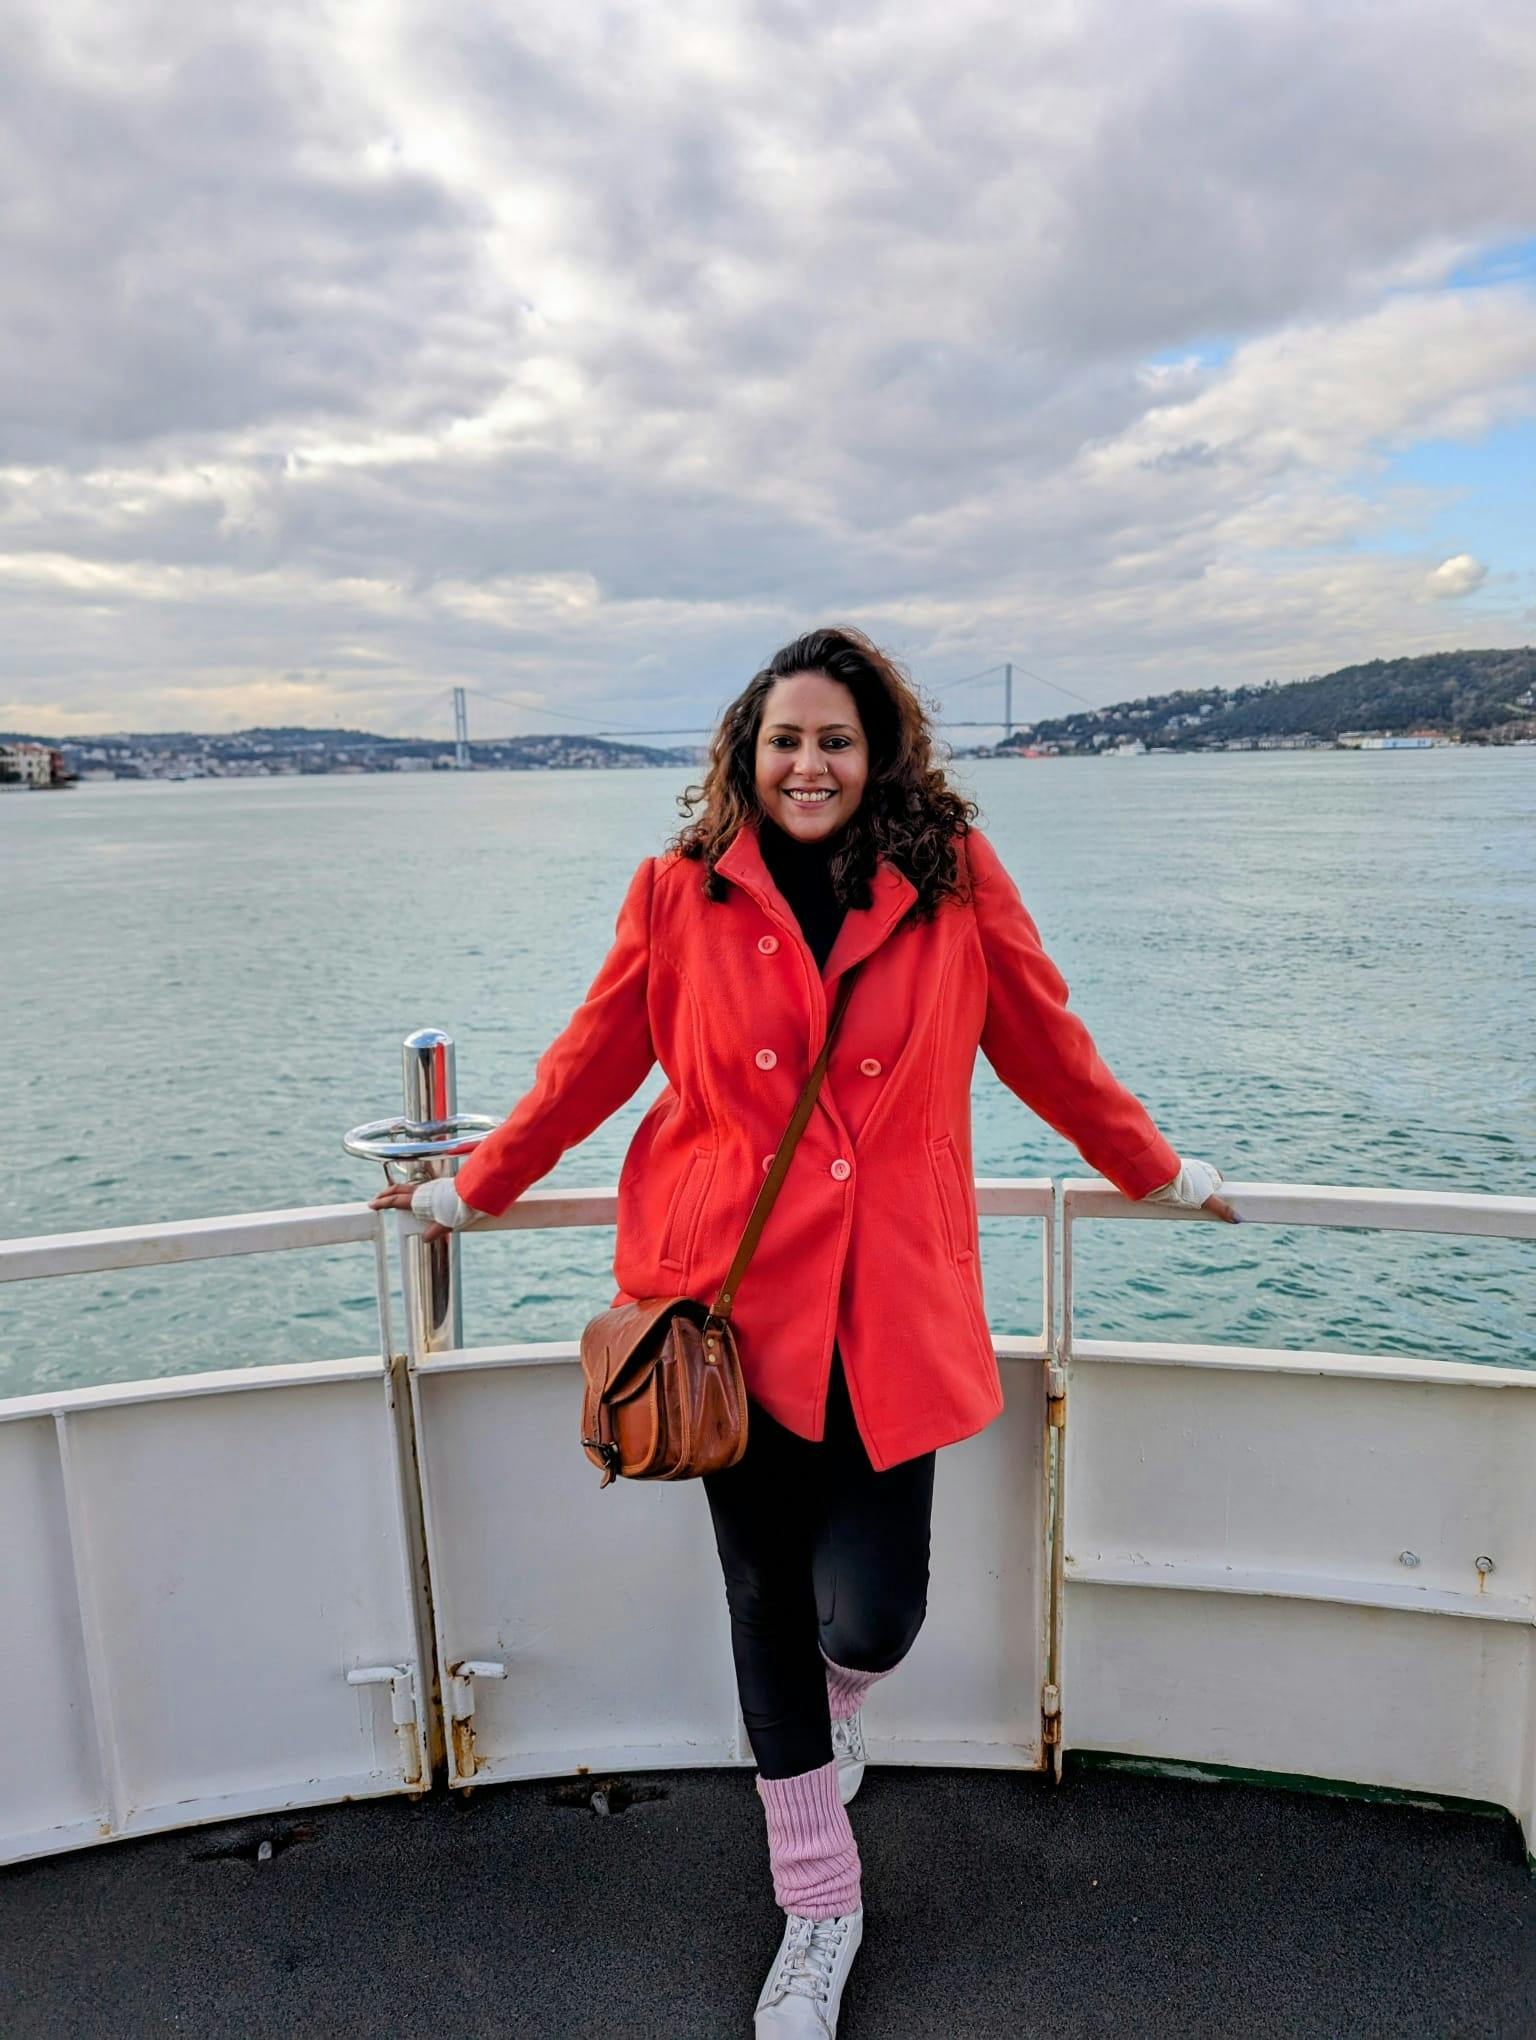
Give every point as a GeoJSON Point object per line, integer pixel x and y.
{"type": "Point", "coordinates": [863, 929]}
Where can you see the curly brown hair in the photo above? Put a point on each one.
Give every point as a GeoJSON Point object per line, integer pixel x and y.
{"type": "Point", "coordinates": [909, 813]}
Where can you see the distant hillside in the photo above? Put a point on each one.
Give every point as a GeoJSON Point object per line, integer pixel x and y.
{"type": "Point", "coordinates": [297, 750]}
{"type": "Point", "coordinates": [291, 735]}
{"type": "Point", "coordinates": [1480, 697]}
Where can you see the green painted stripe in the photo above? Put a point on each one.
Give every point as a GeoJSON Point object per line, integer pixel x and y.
{"type": "Point", "coordinates": [1288, 1781]}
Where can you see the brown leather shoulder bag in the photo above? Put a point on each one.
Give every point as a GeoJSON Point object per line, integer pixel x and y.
{"type": "Point", "coordinates": [663, 1396]}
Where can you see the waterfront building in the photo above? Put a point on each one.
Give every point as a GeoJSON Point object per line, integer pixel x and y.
{"type": "Point", "coordinates": [29, 765]}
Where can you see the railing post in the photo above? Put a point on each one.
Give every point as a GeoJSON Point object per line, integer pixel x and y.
{"type": "Point", "coordinates": [431, 1095]}
{"type": "Point", "coordinates": [1059, 1341]}
{"type": "Point", "coordinates": [425, 1144]}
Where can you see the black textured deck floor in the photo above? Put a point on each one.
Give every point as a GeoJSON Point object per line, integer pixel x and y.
{"type": "Point", "coordinates": [996, 1904]}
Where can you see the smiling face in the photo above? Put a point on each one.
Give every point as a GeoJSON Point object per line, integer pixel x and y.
{"type": "Point", "coordinates": [812, 756]}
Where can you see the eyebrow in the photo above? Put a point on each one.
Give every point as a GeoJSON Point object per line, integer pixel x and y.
{"type": "Point", "coordinates": [821, 731]}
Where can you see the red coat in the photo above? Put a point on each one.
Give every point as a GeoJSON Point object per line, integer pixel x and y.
{"type": "Point", "coordinates": [873, 1239]}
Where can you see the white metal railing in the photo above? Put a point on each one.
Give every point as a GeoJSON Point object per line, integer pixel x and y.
{"type": "Point", "coordinates": [208, 1607]}
{"type": "Point", "coordinates": [217, 1607]}
{"type": "Point", "coordinates": [598, 1627]}
{"type": "Point", "coordinates": [1258, 1548]}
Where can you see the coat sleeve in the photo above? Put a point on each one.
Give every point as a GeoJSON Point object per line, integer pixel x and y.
{"type": "Point", "coordinates": [1045, 1054]}
{"type": "Point", "coordinates": [597, 1062]}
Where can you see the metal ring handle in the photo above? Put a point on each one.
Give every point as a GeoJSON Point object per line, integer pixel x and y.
{"type": "Point", "coordinates": [418, 1140]}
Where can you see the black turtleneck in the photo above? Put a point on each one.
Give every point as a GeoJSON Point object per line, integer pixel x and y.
{"type": "Point", "coordinates": [801, 871]}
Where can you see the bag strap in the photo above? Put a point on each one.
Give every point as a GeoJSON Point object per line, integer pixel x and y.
{"type": "Point", "coordinates": [720, 1312]}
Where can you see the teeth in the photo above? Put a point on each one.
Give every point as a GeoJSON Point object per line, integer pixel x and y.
{"type": "Point", "coordinates": [810, 799]}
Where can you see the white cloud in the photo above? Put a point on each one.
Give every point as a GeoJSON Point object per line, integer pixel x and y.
{"type": "Point", "coordinates": [402, 346]}
{"type": "Point", "coordinates": [1321, 395]}
{"type": "Point", "coordinates": [1457, 576]}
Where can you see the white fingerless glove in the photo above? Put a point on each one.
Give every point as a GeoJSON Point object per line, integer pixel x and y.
{"type": "Point", "coordinates": [1192, 1185]}
{"type": "Point", "coordinates": [438, 1201]}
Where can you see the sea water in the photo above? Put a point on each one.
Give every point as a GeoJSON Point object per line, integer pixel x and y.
{"type": "Point", "coordinates": [1314, 967]}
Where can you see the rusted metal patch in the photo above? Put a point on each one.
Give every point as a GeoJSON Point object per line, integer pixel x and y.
{"type": "Point", "coordinates": [466, 1759]}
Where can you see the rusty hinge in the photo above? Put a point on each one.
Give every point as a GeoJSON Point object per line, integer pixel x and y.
{"type": "Point", "coordinates": [1050, 1714]}
{"type": "Point", "coordinates": [461, 1710]}
{"type": "Point", "coordinates": [401, 1681]}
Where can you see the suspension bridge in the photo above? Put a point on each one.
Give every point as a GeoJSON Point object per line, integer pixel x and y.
{"type": "Point", "coordinates": [1000, 675]}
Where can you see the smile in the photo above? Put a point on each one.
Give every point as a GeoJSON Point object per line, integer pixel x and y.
{"type": "Point", "coordinates": [810, 799]}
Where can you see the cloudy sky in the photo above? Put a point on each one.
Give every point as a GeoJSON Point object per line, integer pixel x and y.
{"type": "Point", "coordinates": [581, 355]}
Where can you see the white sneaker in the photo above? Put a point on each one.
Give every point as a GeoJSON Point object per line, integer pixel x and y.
{"type": "Point", "coordinates": [848, 1748]}
{"type": "Point", "coordinates": [805, 1985]}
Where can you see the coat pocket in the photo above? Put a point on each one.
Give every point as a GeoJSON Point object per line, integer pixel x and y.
{"type": "Point", "coordinates": [684, 1210]}
{"type": "Point", "coordinates": [956, 1196]}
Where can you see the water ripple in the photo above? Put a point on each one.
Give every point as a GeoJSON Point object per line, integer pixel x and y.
{"type": "Point", "coordinates": [1350, 1000]}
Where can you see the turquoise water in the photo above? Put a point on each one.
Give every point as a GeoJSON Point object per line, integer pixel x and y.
{"type": "Point", "coordinates": [1311, 967]}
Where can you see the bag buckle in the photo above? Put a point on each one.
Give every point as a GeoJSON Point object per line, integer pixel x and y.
{"type": "Point", "coordinates": [608, 1453]}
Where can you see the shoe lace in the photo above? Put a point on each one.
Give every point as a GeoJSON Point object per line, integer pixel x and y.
{"type": "Point", "coordinates": [848, 1739]}
{"type": "Point", "coordinates": [809, 1954]}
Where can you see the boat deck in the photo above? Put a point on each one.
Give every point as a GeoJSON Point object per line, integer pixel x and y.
{"type": "Point", "coordinates": [998, 1904]}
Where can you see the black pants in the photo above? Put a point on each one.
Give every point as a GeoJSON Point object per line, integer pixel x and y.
{"type": "Point", "coordinates": [819, 1552]}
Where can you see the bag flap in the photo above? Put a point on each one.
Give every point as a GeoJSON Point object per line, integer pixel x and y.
{"type": "Point", "coordinates": [621, 1345]}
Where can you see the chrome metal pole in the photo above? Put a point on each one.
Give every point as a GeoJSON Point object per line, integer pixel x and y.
{"type": "Point", "coordinates": [431, 1093]}
{"type": "Point", "coordinates": [426, 1143]}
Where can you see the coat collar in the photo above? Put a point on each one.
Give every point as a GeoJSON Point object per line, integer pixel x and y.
{"type": "Point", "coordinates": [863, 929]}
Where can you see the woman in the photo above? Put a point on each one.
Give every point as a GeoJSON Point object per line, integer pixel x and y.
{"type": "Point", "coordinates": [825, 837]}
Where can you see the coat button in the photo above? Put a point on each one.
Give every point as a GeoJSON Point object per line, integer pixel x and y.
{"type": "Point", "coordinates": [870, 1067]}
{"type": "Point", "coordinates": [767, 1163]}
{"type": "Point", "coordinates": [841, 1170]}
{"type": "Point", "coordinates": [766, 1058]}
{"type": "Point", "coordinates": [768, 944]}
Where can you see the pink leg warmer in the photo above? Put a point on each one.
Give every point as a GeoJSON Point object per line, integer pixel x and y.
{"type": "Point", "coordinates": [811, 1850]}
{"type": "Point", "coordinates": [846, 1689]}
